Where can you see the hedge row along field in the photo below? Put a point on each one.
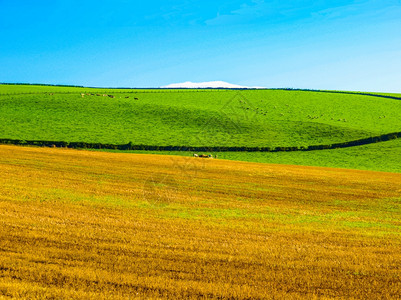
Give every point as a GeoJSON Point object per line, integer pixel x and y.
{"type": "Point", "coordinates": [179, 90]}
{"type": "Point", "coordinates": [131, 146]}
{"type": "Point", "coordinates": [95, 225]}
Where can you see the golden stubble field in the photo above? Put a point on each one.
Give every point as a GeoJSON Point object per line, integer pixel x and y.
{"type": "Point", "coordinates": [92, 225]}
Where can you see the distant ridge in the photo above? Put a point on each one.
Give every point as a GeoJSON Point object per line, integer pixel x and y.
{"type": "Point", "coordinates": [207, 85]}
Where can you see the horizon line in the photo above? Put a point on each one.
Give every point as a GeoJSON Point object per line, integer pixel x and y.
{"type": "Point", "coordinates": [189, 88]}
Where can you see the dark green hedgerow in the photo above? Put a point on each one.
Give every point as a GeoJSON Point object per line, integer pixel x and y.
{"type": "Point", "coordinates": [132, 146]}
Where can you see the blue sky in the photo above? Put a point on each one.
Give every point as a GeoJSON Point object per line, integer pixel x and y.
{"type": "Point", "coordinates": [347, 45]}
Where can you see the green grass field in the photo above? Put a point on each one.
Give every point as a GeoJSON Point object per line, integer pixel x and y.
{"type": "Point", "coordinates": [383, 157]}
{"type": "Point", "coordinates": [194, 118]}
{"type": "Point", "coordinates": [264, 118]}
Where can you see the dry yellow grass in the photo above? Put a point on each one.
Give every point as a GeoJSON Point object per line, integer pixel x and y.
{"type": "Point", "coordinates": [91, 225]}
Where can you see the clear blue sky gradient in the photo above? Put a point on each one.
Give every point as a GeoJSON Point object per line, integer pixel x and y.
{"type": "Point", "coordinates": [343, 45]}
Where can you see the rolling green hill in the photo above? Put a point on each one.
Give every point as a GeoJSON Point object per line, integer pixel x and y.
{"type": "Point", "coordinates": [249, 118]}
{"type": "Point", "coordinates": [194, 118]}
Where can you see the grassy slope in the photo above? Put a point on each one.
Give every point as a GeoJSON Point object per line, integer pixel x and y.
{"type": "Point", "coordinates": [202, 118]}
{"type": "Point", "coordinates": [383, 156]}
{"type": "Point", "coordinates": [90, 225]}
{"type": "Point", "coordinates": [191, 117]}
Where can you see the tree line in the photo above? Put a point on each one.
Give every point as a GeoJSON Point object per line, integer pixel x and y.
{"type": "Point", "coordinates": [341, 92]}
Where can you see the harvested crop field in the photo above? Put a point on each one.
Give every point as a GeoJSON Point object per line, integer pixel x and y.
{"type": "Point", "coordinates": [94, 225]}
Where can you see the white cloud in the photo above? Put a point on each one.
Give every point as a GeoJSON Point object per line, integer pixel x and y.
{"type": "Point", "coordinates": [363, 8]}
{"type": "Point", "coordinates": [276, 10]}
{"type": "Point", "coordinates": [208, 84]}
{"type": "Point", "coordinates": [254, 9]}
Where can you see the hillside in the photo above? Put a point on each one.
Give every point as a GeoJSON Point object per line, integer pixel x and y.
{"type": "Point", "coordinates": [249, 118]}
{"type": "Point", "coordinates": [211, 118]}
{"type": "Point", "coordinates": [91, 225]}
